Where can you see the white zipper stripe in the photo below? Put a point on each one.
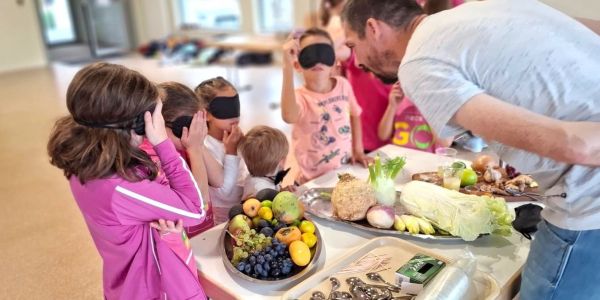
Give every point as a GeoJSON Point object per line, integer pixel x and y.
{"type": "Point", "coordinates": [158, 204]}
{"type": "Point", "coordinates": [187, 261]}
{"type": "Point", "coordinates": [154, 251]}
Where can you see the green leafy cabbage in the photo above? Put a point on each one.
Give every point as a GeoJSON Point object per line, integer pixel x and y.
{"type": "Point", "coordinates": [462, 215]}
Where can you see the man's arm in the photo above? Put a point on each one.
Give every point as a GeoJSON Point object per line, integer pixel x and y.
{"type": "Point", "coordinates": [493, 119]}
{"type": "Point", "coordinates": [593, 25]}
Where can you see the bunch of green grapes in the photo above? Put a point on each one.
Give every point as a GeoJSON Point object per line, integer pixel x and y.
{"type": "Point", "coordinates": [248, 242]}
{"type": "Point", "coordinates": [239, 254]}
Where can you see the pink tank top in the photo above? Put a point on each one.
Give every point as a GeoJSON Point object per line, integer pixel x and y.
{"type": "Point", "coordinates": [410, 128]}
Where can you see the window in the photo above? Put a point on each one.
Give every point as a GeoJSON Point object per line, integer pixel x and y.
{"type": "Point", "coordinates": [57, 21]}
{"type": "Point", "coordinates": [276, 15]}
{"type": "Point", "coordinates": [213, 14]}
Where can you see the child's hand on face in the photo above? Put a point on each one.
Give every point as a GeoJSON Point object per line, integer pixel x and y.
{"type": "Point", "coordinates": [167, 227]}
{"type": "Point", "coordinates": [396, 94]}
{"type": "Point", "coordinates": [195, 135]}
{"type": "Point", "coordinates": [291, 49]}
{"type": "Point", "coordinates": [155, 125]}
{"type": "Point", "coordinates": [232, 139]}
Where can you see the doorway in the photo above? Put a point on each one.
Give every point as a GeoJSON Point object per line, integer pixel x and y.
{"type": "Point", "coordinates": [81, 31]}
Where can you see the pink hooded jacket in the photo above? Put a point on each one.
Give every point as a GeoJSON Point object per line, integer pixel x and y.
{"type": "Point", "coordinates": [137, 264]}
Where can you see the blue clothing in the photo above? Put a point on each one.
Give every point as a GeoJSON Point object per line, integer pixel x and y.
{"type": "Point", "coordinates": [562, 264]}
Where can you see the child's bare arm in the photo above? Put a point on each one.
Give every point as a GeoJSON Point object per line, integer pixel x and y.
{"type": "Point", "coordinates": [290, 111]}
{"type": "Point", "coordinates": [193, 141]}
{"type": "Point", "coordinates": [290, 188]}
{"type": "Point", "coordinates": [386, 125]}
{"type": "Point", "coordinates": [214, 170]}
{"type": "Point", "coordinates": [358, 151]}
{"type": "Point", "coordinates": [231, 163]}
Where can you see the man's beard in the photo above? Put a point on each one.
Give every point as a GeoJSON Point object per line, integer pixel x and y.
{"type": "Point", "coordinates": [383, 78]}
{"type": "Point", "coordinates": [386, 79]}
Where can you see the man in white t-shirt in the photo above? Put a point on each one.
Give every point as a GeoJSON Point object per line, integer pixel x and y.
{"type": "Point", "coordinates": [526, 78]}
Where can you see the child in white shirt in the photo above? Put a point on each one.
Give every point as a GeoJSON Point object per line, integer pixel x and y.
{"type": "Point", "coordinates": [264, 150]}
{"type": "Point", "coordinates": [223, 106]}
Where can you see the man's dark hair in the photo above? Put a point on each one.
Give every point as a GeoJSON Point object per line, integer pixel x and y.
{"type": "Point", "coordinates": [396, 13]}
{"type": "Point", "coordinates": [435, 6]}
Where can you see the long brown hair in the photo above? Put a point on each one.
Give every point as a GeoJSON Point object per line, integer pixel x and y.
{"type": "Point", "coordinates": [207, 90]}
{"type": "Point", "coordinates": [179, 100]}
{"type": "Point", "coordinates": [103, 93]}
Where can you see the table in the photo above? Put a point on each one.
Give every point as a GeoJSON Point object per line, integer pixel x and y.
{"type": "Point", "coordinates": [502, 257]}
{"type": "Point", "coordinates": [250, 43]}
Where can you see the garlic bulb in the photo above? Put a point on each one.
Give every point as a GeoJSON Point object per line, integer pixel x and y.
{"type": "Point", "coordinates": [492, 175]}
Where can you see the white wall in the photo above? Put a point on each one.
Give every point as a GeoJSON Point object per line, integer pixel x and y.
{"type": "Point", "coordinates": [305, 9]}
{"type": "Point", "coordinates": [152, 19]}
{"type": "Point", "coordinates": [21, 42]}
{"type": "Point", "coordinates": [589, 9]}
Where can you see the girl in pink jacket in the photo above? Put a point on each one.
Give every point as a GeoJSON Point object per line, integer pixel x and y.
{"type": "Point", "coordinates": [113, 181]}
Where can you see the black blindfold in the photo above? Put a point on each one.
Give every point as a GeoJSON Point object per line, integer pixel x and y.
{"type": "Point", "coordinates": [311, 55]}
{"type": "Point", "coordinates": [225, 107]}
{"type": "Point", "coordinates": [178, 125]}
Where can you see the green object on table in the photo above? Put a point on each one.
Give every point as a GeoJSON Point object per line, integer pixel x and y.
{"type": "Point", "coordinates": [382, 176]}
{"type": "Point", "coordinates": [420, 269]}
{"type": "Point", "coordinates": [459, 165]}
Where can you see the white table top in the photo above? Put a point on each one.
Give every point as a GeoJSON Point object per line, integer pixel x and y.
{"type": "Point", "coordinates": [502, 257]}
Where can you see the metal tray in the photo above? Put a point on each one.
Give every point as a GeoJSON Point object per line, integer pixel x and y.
{"type": "Point", "coordinates": [399, 252]}
{"type": "Point", "coordinates": [317, 202]}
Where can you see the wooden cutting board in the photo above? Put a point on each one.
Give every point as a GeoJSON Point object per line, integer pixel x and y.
{"type": "Point", "coordinates": [432, 177]}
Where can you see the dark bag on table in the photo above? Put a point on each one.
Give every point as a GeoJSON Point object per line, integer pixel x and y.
{"type": "Point", "coordinates": [527, 218]}
{"type": "Point", "coordinates": [252, 58]}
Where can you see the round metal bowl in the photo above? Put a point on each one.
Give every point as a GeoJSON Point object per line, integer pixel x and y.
{"type": "Point", "coordinates": [226, 251]}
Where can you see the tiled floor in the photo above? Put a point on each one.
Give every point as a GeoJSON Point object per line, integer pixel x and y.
{"type": "Point", "coordinates": [45, 249]}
